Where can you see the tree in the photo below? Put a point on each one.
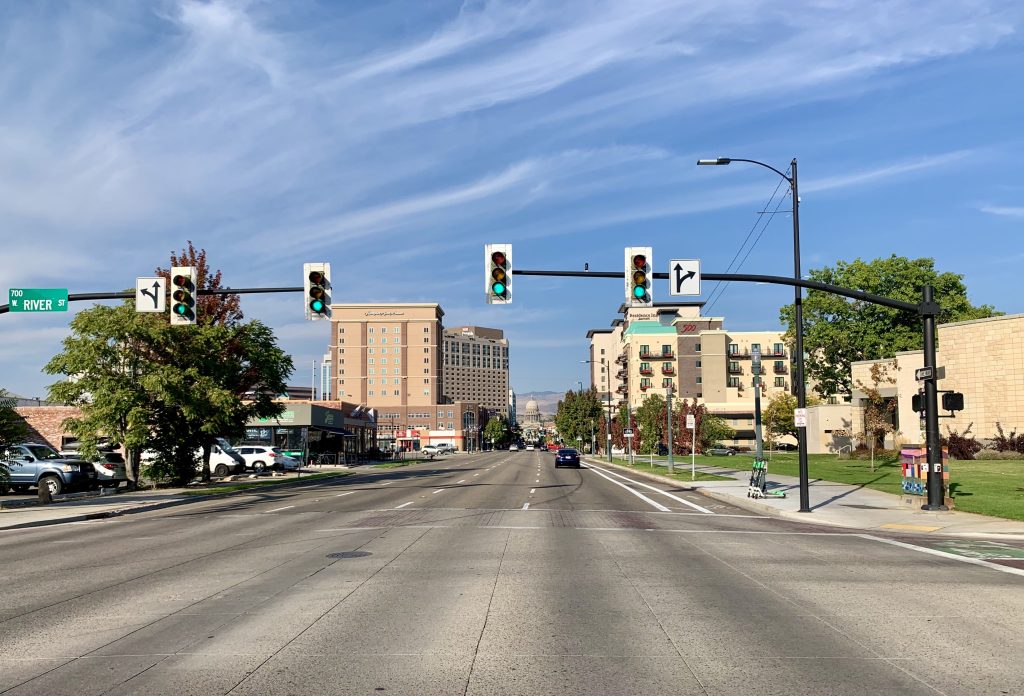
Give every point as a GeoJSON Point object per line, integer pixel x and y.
{"type": "Point", "coordinates": [497, 431]}
{"type": "Point", "coordinates": [650, 417]}
{"type": "Point", "coordinates": [12, 430]}
{"type": "Point", "coordinates": [144, 383]}
{"type": "Point", "coordinates": [777, 417]}
{"type": "Point", "coordinates": [682, 437]}
{"type": "Point", "coordinates": [878, 411]}
{"type": "Point", "coordinates": [577, 416]}
{"type": "Point", "coordinates": [210, 309]}
{"type": "Point", "coordinates": [107, 356]}
{"type": "Point", "coordinates": [839, 331]}
{"type": "Point", "coordinates": [714, 429]}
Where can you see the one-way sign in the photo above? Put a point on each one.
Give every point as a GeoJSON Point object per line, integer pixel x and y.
{"type": "Point", "coordinates": [684, 277]}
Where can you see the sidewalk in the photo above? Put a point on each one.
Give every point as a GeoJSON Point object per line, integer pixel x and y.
{"type": "Point", "coordinates": [98, 506]}
{"type": "Point", "coordinates": [836, 504]}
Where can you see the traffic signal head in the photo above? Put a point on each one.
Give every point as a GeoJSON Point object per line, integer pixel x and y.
{"type": "Point", "coordinates": [317, 283]}
{"type": "Point", "coordinates": [498, 273]}
{"type": "Point", "coordinates": [183, 295]}
{"type": "Point", "coordinates": [638, 277]}
{"type": "Point", "coordinates": [952, 401]}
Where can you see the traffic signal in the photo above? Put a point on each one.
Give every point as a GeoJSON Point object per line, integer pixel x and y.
{"type": "Point", "coordinates": [917, 402]}
{"type": "Point", "coordinates": [183, 295]}
{"type": "Point", "coordinates": [498, 273]}
{"type": "Point", "coordinates": [952, 401]}
{"type": "Point", "coordinates": [317, 280]}
{"type": "Point", "coordinates": [638, 277]}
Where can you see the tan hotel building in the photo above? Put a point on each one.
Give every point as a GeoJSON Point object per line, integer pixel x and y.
{"type": "Point", "coordinates": [389, 358]}
{"type": "Point", "coordinates": [671, 346]}
{"type": "Point", "coordinates": [476, 367]}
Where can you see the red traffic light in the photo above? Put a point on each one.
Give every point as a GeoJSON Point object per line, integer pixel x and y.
{"type": "Point", "coordinates": [640, 261]}
{"type": "Point", "coordinates": [181, 280]}
{"type": "Point", "coordinates": [316, 277]}
{"type": "Point", "coordinates": [498, 258]}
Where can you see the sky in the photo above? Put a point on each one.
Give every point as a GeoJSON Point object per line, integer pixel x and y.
{"type": "Point", "coordinates": [395, 138]}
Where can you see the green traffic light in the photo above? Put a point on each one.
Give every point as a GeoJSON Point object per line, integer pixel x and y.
{"type": "Point", "coordinates": [498, 288]}
{"type": "Point", "coordinates": [180, 309]}
{"type": "Point", "coordinates": [317, 306]}
{"type": "Point", "coordinates": [639, 292]}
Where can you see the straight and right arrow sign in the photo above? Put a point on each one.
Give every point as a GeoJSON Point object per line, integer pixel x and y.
{"type": "Point", "coordinates": [684, 276]}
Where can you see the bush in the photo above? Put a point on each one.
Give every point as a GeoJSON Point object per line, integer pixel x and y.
{"type": "Point", "coordinates": [995, 454]}
{"type": "Point", "coordinates": [863, 452]}
{"type": "Point", "coordinates": [1008, 443]}
{"type": "Point", "coordinates": [960, 446]}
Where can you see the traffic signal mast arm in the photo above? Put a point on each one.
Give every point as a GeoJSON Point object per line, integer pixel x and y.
{"type": "Point", "coordinates": [129, 294]}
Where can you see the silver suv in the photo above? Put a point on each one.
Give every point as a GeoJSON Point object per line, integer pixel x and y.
{"type": "Point", "coordinates": [32, 464]}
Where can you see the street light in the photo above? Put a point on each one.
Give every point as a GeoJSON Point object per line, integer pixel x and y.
{"type": "Point", "coordinates": [798, 295]}
{"type": "Point", "coordinates": [608, 391]}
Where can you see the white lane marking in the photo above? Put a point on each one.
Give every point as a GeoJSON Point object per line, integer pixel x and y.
{"type": "Point", "coordinates": [341, 494]}
{"type": "Point", "coordinates": [695, 506]}
{"type": "Point", "coordinates": [280, 509]}
{"type": "Point", "coordinates": [532, 491]}
{"type": "Point", "coordinates": [638, 494]}
{"type": "Point", "coordinates": [526, 506]}
{"type": "Point", "coordinates": [944, 554]}
{"type": "Point", "coordinates": [403, 505]}
{"type": "Point", "coordinates": [386, 483]}
{"type": "Point", "coordinates": [476, 474]}
{"type": "Point", "coordinates": [439, 490]}
{"type": "Point", "coordinates": [462, 481]}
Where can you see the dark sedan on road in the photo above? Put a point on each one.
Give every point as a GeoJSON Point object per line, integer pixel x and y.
{"type": "Point", "coordinates": [567, 457]}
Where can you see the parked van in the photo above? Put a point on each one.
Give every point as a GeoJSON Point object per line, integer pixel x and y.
{"type": "Point", "coordinates": [224, 459]}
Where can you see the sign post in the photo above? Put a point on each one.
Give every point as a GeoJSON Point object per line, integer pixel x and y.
{"type": "Point", "coordinates": [38, 299]}
{"type": "Point", "coordinates": [691, 423]}
{"type": "Point", "coordinates": [668, 399]}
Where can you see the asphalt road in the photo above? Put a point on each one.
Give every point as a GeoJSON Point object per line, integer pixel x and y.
{"type": "Point", "coordinates": [493, 574]}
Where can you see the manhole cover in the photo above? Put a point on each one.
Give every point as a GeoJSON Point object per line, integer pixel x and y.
{"type": "Point", "coordinates": [349, 554]}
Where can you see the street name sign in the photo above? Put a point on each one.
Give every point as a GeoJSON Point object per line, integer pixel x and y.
{"type": "Point", "coordinates": [38, 299]}
{"type": "Point", "coordinates": [150, 294]}
{"type": "Point", "coordinates": [684, 277]}
{"type": "Point", "coordinates": [800, 417]}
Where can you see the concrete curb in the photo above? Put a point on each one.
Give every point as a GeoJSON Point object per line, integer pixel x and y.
{"type": "Point", "coordinates": [172, 503]}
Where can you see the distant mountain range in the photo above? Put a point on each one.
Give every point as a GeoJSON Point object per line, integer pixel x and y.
{"type": "Point", "coordinates": [547, 401]}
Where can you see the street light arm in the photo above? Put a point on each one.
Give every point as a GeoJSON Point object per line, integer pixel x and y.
{"type": "Point", "coordinates": [728, 160]}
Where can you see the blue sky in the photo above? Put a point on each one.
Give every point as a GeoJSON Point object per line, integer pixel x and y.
{"type": "Point", "coordinates": [394, 139]}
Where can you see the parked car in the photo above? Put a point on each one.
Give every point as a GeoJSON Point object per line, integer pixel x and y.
{"type": "Point", "coordinates": [260, 457]}
{"type": "Point", "coordinates": [430, 450]}
{"type": "Point", "coordinates": [288, 463]}
{"type": "Point", "coordinates": [513, 448]}
{"type": "Point", "coordinates": [567, 457]}
{"type": "Point", "coordinates": [786, 447]}
{"type": "Point", "coordinates": [224, 459]}
{"type": "Point", "coordinates": [111, 468]}
{"type": "Point", "coordinates": [445, 448]}
{"type": "Point", "coordinates": [721, 451]}
{"type": "Point", "coordinates": [32, 464]}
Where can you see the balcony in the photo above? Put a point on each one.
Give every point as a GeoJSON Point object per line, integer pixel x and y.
{"type": "Point", "coordinates": [646, 371]}
{"type": "Point", "coordinates": [623, 389]}
{"type": "Point", "coordinates": [622, 374]}
{"type": "Point", "coordinates": [667, 354]}
{"type": "Point", "coordinates": [737, 370]}
{"type": "Point", "coordinates": [668, 370]}
{"type": "Point", "coordinates": [780, 370]}
{"type": "Point", "coordinates": [647, 355]}
{"type": "Point", "coordinates": [622, 359]}
{"type": "Point", "coordinates": [644, 387]}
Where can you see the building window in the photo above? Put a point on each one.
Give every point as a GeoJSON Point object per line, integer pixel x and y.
{"type": "Point", "coordinates": [667, 383]}
{"type": "Point", "coordinates": [780, 382]}
{"type": "Point", "coordinates": [383, 339]}
{"type": "Point", "coordinates": [734, 349]}
{"type": "Point", "coordinates": [369, 393]}
{"type": "Point", "coordinates": [396, 379]}
{"type": "Point", "coordinates": [755, 347]}
{"type": "Point", "coordinates": [699, 381]}
{"type": "Point", "coordinates": [644, 350]}
{"type": "Point", "coordinates": [734, 382]}
{"type": "Point", "coordinates": [395, 330]}
{"type": "Point", "coordinates": [369, 329]}
{"type": "Point", "coordinates": [780, 349]}
{"type": "Point", "coordinates": [696, 348]}
{"type": "Point", "coordinates": [370, 361]}
{"type": "Point", "coordinates": [396, 392]}
{"type": "Point", "coordinates": [698, 363]}
{"type": "Point", "coordinates": [450, 414]}
{"type": "Point", "coordinates": [341, 329]}
{"type": "Point", "coordinates": [426, 329]}
{"type": "Point", "coordinates": [426, 340]}
{"type": "Point", "coordinates": [370, 381]}
{"type": "Point", "coordinates": [602, 351]}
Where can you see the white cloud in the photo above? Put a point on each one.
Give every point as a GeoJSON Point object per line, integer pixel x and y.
{"type": "Point", "coordinates": [1004, 211]}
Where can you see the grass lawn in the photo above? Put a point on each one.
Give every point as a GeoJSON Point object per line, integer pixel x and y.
{"type": "Point", "coordinates": [986, 487]}
{"type": "Point", "coordinates": [395, 465]}
{"type": "Point", "coordinates": [246, 485]}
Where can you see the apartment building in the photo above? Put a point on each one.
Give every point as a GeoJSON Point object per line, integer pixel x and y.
{"type": "Point", "coordinates": [605, 346]}
{"type": "Point", "coordinates": [475, 367]}
{"type": "Point", "coordinates": [671, 346]}
{"type": "Point", "coordinates": [386, 355]}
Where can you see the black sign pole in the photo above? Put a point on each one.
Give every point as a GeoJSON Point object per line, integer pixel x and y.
{"type": "Point", "coordinates": [933, 443]}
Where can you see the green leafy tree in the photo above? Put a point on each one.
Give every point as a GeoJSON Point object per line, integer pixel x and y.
{"type": "Point", "coordinates": [652, 421]}
{"type": "Point", "coordinates": [577, 416]}
{"type": "Point", "coordinates": [777, 417]}
{"type": "Point", "coordinates": [12, 430]}
{"type": "Point", "coordinates": [498, 431]}
{"type": "Point", "coordinates": [714, 429]}
{"type": "Point", "coordinates": [682, 437]}
{"type": "Point", "coordinates": [107, 356]}
{"type": "Point", "coordinates": [839, 331]}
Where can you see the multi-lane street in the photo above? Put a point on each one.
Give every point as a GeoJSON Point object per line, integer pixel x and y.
{"type": "Point", "coordinates": [493, 574]}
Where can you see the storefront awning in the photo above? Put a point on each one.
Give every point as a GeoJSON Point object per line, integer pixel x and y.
{"type": "Point", "coordinates": [336, 431]}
